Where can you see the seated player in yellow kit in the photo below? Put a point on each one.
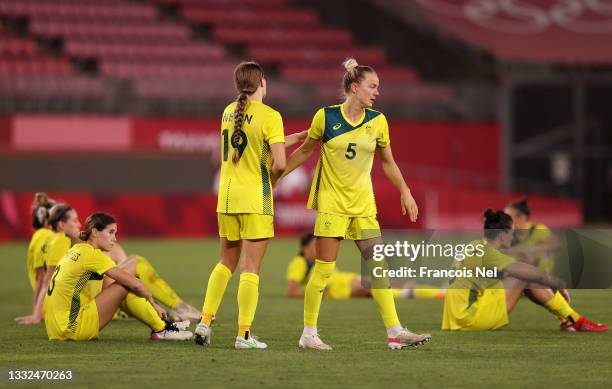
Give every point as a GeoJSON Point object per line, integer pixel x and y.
{"type": "Point", "coordinates": [479, 303]}
{"type": "Point", "coordinates": [77, 307]}
{"type": "Point", "coordinates": [533, 242]}
{"type": "Point", "coordinates": [64, 221]}
{"type": "Point", "coordinates": [38, 244]}
{"type": "Point", "coordinates": [65, 225]}
{"type": "Point", "coordinates": [340, 285]}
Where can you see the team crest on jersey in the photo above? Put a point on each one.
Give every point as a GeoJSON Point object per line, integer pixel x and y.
{"type": "Point", "coordinates": [337, 126]}
{"type": "Point", "coordinates": [327, 224]}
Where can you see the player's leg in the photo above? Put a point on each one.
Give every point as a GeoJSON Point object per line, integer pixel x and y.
{"type": "Point", "coordinates": [358, 290]}
{"type": "Point", "coordinates": [217, 283]}
{"type": "Point", "coordinates": [398, 336]}
{"type": "Point", "coordinates": [514, 291]}
{"type": "Point", "coordinates": [163, 292]}
{"type": "Point", "coordinates": [108, 301]}
{"type": "Point", "coordinates": [553, 301]}
{"type": "Point", "coordinates": [327, 252]}
{"type": "Point", "coordinates": [248, 292]}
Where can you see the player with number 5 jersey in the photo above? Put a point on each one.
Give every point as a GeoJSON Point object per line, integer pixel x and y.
{"type": "Point", "coordinates": [349, 135]}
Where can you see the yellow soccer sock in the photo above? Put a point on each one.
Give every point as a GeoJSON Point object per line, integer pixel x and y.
{"type": "Point", "coordinates": [313, 293]}
{"type": "Point", "coordinates": [162, 292]}
{"type": "Point", "coordinates": [428, 293]}
{"type": "Point", "coordinates": [386, 306]}
{"type": "Point", "coordinates": [248, 295]}
{"type": "Point", "coordinates": [214, 292]}
{"type": "Point", "coordinates": [382, 293]}
{"type": "Point", "coordinates": [142, 310]}
{"type": "Point", "coordinates": [561, 308]}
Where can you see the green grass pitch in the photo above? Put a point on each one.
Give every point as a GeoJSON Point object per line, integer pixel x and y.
{"type": "Point", "coordinates": [530, 352]}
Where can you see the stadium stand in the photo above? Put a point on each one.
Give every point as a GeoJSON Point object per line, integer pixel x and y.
{"type": "Point", "coordinates": [155, 57]}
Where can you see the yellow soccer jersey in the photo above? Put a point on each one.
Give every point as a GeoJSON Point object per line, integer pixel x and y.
{"type": "Point", "coordinates": [342, 184]}
{"type": "Point", "coordinates": [299, 270]}
{"type": "Point", "coordinates": [473, 302]}
{"type": "Point", "coordinates": [68, 287]}
{"type": "Point", "coordinates": [492, 258]}
{"type": "Point", "coordinates": [36, 249]}
{"type": "Point", "coordinates": [533, 235]}
{"type": "Point", "coordinates": [58, 246]}
{"type": "Point", "coordinates": [245, 186]}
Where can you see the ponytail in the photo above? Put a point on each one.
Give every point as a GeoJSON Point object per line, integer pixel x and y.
{"type": "Point", "coordinates": [496, 222]}
{"type": "Point", "coordinates": [238, 135]}
{"type": "Point", "coordinates": [248, 76]}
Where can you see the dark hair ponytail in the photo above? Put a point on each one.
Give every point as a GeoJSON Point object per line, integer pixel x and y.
{"type": "Point", "coordinates": [58, 213]}
{"type": "Point", "coordinates": [99, 221]}
{"type": "Point", "coordinates": [305, 239]}
{"type": "Point", "coordinates": [521, 206]}
{"type": "Point", "coordinates": [496, 222]}
{"type": "Point", "coordinates": [40, 210]}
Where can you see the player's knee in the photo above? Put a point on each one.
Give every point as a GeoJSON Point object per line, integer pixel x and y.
{"type": "Point", "coordinates": [130, 265]}
{"type": "Point", "coordinates": [250, 265]}
{"type": "Point", "coordinates": [230, 264]}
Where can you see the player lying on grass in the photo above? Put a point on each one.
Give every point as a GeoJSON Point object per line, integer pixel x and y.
{"type": "Point", "coordinates": [162, 291]}
{"type": "Point", "coordinates": [77, 305]}
{"type": "Point", "coordinates": [474, 303]}
{"type": "Point", "coordinates": [35, 264]}
{"type": "Point", "coordinates": [533, 242]}
{"type": "Point", "coordinates": [340, 285]}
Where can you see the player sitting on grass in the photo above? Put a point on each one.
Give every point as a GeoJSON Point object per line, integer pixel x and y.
{"type": "Point", "coordinates": [162, 291]}
{"type": "Point", "coordinates": [533, 243]}
{"type": "Point", "coordinates": [77, 306]}
{"type": "Point", "coordinates": [340, 285]}
{"type": "Point", "coordinates": [35, 264]}
{"type": "Point", "coordinates": [474, 303]}
{"type": "Point", "coordinates": [65, 225]}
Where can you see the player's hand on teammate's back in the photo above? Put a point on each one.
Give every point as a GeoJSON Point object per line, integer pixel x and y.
{"type": "Point", "coordinates": [409, 206]}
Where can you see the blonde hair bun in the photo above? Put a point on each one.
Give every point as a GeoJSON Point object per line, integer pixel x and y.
{"type": "Point", "coordinates": [350, 64]}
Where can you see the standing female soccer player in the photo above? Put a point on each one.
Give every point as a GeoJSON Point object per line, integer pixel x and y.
{"type": "Point", "coordinates": [75, 309]}
{"type": "Point", "coordinates": [252, 158]}
{"type": "Point", "coordinates": [477, 303]}
{"type": "Point", "coordinates": [534, 242]}
{"type": "Point", "coordinates": [38, 245]}
{"type": "Point", "coordinates": [350, 134]}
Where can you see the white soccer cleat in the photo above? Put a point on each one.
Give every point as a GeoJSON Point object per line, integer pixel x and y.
{"type": "Point", "coordinates": [313, 342]}
{"type": "Point", "coordinates": [407, 338]}
{"type": "Point", "coordinates": [184, 311]}
{"type": "Point", "coordinates": [203, 334]}
{"type": "Point", "coordinates": [182, 325]}
{"type": "Point", "coordinates": [250, 343]}
{"type": "Point", "coordinates": [173, 332]}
